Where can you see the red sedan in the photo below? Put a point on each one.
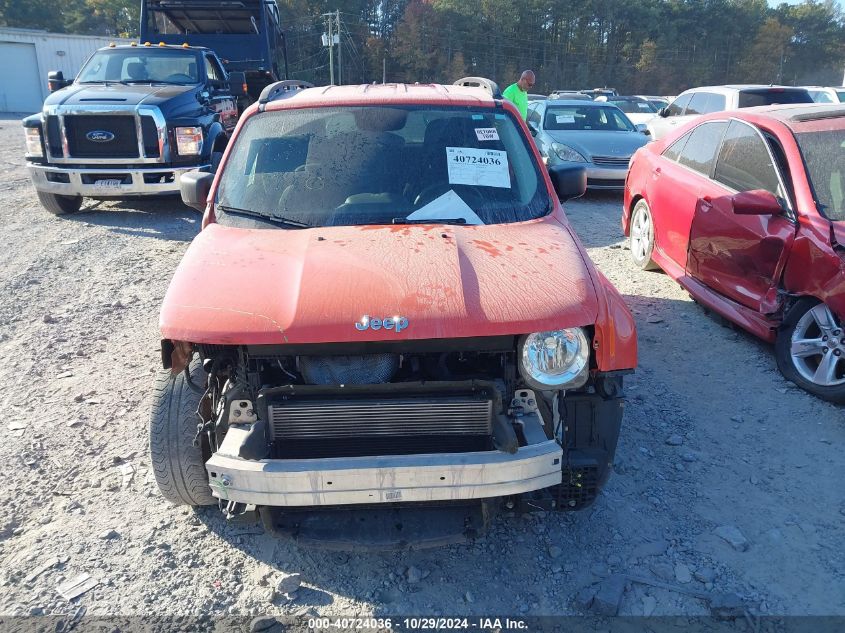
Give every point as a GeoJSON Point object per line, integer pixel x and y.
{"type": "Point", "coordinates": [746, 210]}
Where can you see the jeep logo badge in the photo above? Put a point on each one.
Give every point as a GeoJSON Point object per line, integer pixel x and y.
{"type": "Point", "coordinates": [100, 136]}
{"type": "Point", "coordinates": [395, 323]}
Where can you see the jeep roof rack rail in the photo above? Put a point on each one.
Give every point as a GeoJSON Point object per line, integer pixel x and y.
{"type": "Point", "coordinates": [480, 82]}
{"type": "Point", "coordinates": [282, 90]}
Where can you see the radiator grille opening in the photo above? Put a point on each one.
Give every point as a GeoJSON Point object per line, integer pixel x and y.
{"type": "Point", "coordinates": [149, 130]}
{"type": "Point", "coordinates": [389, 426]}
{"type": "Point", "coordinates": [124, 143]}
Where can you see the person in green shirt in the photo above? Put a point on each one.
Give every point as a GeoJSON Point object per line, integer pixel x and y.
{"type": "Point", "coordinates": [517, 93]}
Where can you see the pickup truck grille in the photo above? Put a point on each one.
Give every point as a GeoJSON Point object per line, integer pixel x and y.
{"type": "Point", "coordinates": [388, 426]}
{"type": "Point", "coordinates": [123, 145]}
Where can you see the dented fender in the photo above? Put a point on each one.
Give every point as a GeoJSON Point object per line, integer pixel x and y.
{"type": "Point", "coordinates": [615, 341]}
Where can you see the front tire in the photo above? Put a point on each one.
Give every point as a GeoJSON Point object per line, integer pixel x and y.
{"type": "Point", "coordinates": [178, 465]}
{"type": "Point", "coordinates": [810, 349]}
{"type": "Point", "coordinates": [59, 205]}
{"type": "Point", "coordinates": [642, 236]}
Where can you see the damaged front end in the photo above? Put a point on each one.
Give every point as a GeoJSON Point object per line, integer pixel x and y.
{"type": "Point", "coordinates": [399, 443]}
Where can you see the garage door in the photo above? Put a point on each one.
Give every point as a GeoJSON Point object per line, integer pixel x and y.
{"type": "Point", "coordinates": [20, 85]}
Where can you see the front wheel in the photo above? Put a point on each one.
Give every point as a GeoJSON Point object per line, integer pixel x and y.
{"type": "Point", "coordinates": [178, 465]}
{"type": "Point", "coordinates": [59, 205]}
{"type": "Point", "coordinates": [642, 236]}
{"type": "Point", "coordinates": [810, 350]}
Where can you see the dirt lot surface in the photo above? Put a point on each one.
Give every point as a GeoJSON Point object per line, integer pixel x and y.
{"type": "Point", "coordinates": [729, 479]}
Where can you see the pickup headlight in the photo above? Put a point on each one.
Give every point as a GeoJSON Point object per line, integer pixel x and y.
{"type": "Point", "coordinates": [564, 152]}
{"type": "Point", "coordinates": [188, 141]}
{"type": "Point", "coordinates": [555, 360]}
{"type": "Point", "coordinates": [33, 142]}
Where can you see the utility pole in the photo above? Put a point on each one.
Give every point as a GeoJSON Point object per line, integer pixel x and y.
{"type": "Point", "coordinates": [331, 53]}
{"type": "Point", "coordinates": [339, 50]}
{"type": "Point", "coordinates": [384, 69]}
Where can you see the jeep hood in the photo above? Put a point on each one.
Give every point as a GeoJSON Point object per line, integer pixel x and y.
{"type": "Point", "coordinates": [268, 286]}
{"type": "Point", "coordinates": [116, 94]}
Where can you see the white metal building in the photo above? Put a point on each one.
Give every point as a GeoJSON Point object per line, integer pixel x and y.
{"type": "Point", "coordinates": [26, 56]}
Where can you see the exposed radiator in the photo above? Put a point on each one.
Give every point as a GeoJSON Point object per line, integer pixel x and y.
{"type": "Point", "coordinates": [397, 417]}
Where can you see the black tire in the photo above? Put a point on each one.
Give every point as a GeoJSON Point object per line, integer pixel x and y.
{"type": "Point", "coordinates": [641, 254]}
{"type": "Point", "coordinates": [59, 205]}
{"type": "Point", "coordinates": [178, 465]}
{"type": "Point", "coordinates": [786, 362]}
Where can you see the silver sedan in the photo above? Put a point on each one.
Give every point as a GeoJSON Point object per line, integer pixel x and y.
{"type": "Point", "coordinates": [594, 134]}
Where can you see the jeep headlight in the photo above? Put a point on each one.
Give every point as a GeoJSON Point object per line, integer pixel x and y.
{"type": "Point", "coordinates": [188, 141]}
{"type": "Point", "coordinates": [33, 142]}
{"type": "Point", "coordinates": [564, 152]}
{"type": "Point", "coordinates": [555, 360]}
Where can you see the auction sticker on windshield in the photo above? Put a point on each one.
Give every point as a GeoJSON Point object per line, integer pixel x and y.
{"type": "Point", "coordinates": [478, 167]}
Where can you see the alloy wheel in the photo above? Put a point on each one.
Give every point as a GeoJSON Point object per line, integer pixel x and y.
{"type": "Point", "coordinates": [817, 347]}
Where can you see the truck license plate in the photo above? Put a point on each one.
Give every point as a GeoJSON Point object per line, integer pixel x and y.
{"type": "Point", "coordinates": [108, 183]}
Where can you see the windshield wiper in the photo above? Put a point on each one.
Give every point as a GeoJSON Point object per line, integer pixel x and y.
{"type": "Point", "coordinates": [108, 82]}
{"type": "Point", "coordinates": [276, 219]}
{"type": "Point", "coordinates": [430, 221]}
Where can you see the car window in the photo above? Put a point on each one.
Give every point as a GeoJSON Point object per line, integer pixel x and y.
{"type": "Point", "coordinates": [675, 149]}
{"type": "Point", "coordinates": [699, 153]}
{"type": "Point", "coordinates": [744, 163]}
{"type": "Point", "coordinates": [840, 94]}
{"type": "Point", "coordinates": [716, 103]}
{"type": "Point", "coordinates": [698, 103]}
{"type": "Point", "coordinates": [138, 65]}
{"type": "Point", "coordinates": [211, 69]}
{"type": "Point", "coordinates": [770, 96]}
{"type": "Point", "coordinates": [676, 108]}
{"type": "Point", "coordinates": [586, 117]}
{"type": "Point", "coordinates": [633, 107]}
{"type": "Point", "coordinates": [534, 116]}
{"type": "Point", "coordinates": [824, 155]}
{"type": "Point", "coordinates": [356, 166]}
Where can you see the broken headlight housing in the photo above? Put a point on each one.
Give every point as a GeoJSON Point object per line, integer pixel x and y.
{"type": "Point", "coordinates": [559, 359]}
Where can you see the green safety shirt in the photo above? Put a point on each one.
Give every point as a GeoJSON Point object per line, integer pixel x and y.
{"type": "Point", "coordinates": [518, 97]}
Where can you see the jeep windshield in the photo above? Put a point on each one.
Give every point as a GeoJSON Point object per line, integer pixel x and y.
{"type": "Point", "coordinates": [141, 65]}
{"type": "Point", "coordinates": [364, 165]}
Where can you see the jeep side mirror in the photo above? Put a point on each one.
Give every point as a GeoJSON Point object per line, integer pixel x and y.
{"type": "Point", "coordinates": [56, 80]}
{"type": "Point", "coordinates": [194, 187]}
{"type": "Point", "coordinates": [756, 202]}
{"type": "Point", "coordinates": [237, 84]}
{"type": "Point", "coordinates": [569, 181]}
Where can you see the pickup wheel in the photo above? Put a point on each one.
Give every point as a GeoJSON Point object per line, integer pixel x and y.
{"type": "Point", "coordinates": [178, 465]}
{"type": "Point", "coordinates": [59, 205]}
{"type": "Point", "coordinates": [810, 349]}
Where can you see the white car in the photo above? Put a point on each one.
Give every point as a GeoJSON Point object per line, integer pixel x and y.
{"type": "Point", "coordinates": [695, 102]}
{"type": "Point", "coordinates": [826, 94]}
{"type": "Point", "coordinates": [637, 109]}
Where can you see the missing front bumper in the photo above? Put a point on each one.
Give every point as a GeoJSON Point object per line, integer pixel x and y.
{"type": "Point", "coordinates": [385, 479]}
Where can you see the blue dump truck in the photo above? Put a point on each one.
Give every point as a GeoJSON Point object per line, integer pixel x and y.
{"type": "Point", "coordinates": [245, 34]}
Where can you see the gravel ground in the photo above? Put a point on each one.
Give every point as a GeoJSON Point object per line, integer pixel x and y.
{"type": "Point", "coordinates": [729, 479]}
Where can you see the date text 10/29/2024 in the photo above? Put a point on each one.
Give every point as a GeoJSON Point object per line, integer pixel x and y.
{"type": "Point", "coordinates": [417, 624]}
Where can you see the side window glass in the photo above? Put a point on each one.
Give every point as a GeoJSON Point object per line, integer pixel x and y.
{"type": "Point", "coordinates": [744, 163]}
{"type": "Point", "coordinates": [534, 116]}
{"type": "Point", "coordinates": [716, 103]}
{"type": "Point", "coordinates": [700, 151]}
{"type": "Point", "coordinates": [211, 70]}
{"type": "Point", "coordinates": [698, 104]}
{"type": "Point", "coordinates": [675, 149]}
{"type": "Point", "coordinates": [676, 108]}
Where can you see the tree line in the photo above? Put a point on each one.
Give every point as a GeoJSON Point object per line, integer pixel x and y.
{"type": "Point", "coordinates": [640, 46]}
